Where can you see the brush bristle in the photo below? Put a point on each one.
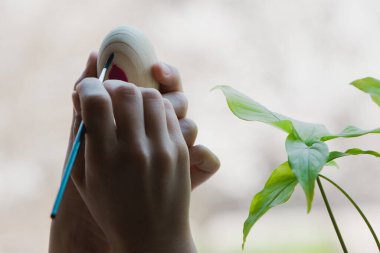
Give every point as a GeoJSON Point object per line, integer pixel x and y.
{"type": "Point", "coordinates": [109, 61]}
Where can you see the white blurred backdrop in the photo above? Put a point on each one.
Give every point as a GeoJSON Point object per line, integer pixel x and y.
{"type": "Point", "coordinates": [296, 57]}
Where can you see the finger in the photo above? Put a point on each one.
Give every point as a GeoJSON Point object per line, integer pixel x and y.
{"type": "Point", "coordinates": [179, 102]}
{"type": "Point", "coordinates": [181, 150]}
{"type": "Point", "coordinates": [78, 173]}
{"type": "Point", "coordinates": [96, 111]}
{"type": "Point", "coordinates": [189, 131]}
{"type": "Point", "coordinates": [203, 164]}
{"type": "Point", "coordinates": [90, 70]}
{"type": "Point", "coordinates": [168, 77]}
{"type": "Point", "coordinates": [154, 115]}
{"type": "Point", "coordinates": [128, 109]}
{"type": "Point", "coordinates": [173, 125]}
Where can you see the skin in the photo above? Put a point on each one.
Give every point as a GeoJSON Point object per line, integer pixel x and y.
{"type": "Point", "coordinates": [75, 229]}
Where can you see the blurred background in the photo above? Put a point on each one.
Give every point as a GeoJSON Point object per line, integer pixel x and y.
{"type": "Point", "coordinates": [296, 57]}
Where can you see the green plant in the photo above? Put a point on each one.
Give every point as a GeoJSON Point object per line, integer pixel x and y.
{"type": "Point", "coordinates": [307, 153]}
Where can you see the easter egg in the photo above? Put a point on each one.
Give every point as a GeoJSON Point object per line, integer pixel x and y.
{"type": "Point", "coordinates": [133, 57]}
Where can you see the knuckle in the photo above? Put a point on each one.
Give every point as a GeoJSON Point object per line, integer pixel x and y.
{"type": "Point", "coordinates": [176, 75]}
{"type": "Point", "coordinates": [164, 157]}
{"type": "Point", "coordinates": [179, 102]}
{"type": "Point", "coordinates": [126, 90]}
{"type": "Point", "coordinates": [181, 146]}
{"type": "Point", "coordinates": [96, 101]}
{"type": "Point", "coordinates": [110, 84]}
{"type": "Point", "coordinates": [85, 83]}
{"type": "Point", "coordinates": [150, 93]}
{"type": "Point", "coordinates": [183, 152]}
{"type": "Point", "coordinates": [80, 86]}
{"type": "Point", "coordinates": [141, 155]}
{"type": "Point", "coordinates": [175, 71]}
{"type": "Point", "coordinates": [189, 126]}
{"type": "Point", "coordinates": [168, 105]}
{"type": "Point", "coordinates": [183, 100]}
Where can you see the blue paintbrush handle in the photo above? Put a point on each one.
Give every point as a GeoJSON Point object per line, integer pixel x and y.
{"type": "Point", "coordinates": [68, 169]}
{"type": "Point", "coordinates": [75, 150]}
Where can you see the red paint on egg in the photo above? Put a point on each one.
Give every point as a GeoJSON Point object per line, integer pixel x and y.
{"type": "Point", "coordinates": [117, 73]}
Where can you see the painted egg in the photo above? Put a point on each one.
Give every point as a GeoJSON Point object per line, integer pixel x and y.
{"type": "Point", "coordinates": [133, 57]}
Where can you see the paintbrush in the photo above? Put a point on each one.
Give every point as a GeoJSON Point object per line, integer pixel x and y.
{"type": "Point", "coordinates": [75, 148]}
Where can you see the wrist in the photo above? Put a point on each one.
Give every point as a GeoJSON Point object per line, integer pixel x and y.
{"type": "Point", "coordinates": [78, 235]}
{"type": "Point", "coordinates": [155, 244]}
{"type": "Point", "coordinates": [74, 228]}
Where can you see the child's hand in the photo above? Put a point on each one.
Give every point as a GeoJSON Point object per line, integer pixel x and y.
{"type": "Point", "coordinates": [136, 180]}
{"type": "Point", "coordinates": [74, 229]}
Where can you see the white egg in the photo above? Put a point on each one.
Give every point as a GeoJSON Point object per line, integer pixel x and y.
{"type": "Point", "coordinates": [133, 57]}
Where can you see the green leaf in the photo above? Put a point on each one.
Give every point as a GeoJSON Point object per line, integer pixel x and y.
{"type": "Point", "coordinates": [309, 132]}
{"type": "Point", "coordinates": [306, 161]}
{"type": "Point", "coordinates": [247, 109]}
{"type": "Point", "coordinates": [351, 131]}
{"type": "Point", "coordinates": [369, 85]}
{"type": "Point", "coordinates": [277, 190]}
{"type": "Point", "coordinates": [353, 151]}
{"type": "Point", "coordinates": [332, 163]}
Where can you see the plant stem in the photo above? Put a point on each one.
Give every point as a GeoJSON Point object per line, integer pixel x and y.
{"type": "Point", "coordinates": [337, 231]}
{"type": "Point", "coordinates": [357, 208]}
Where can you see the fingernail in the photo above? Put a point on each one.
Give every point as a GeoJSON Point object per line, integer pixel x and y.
{"type": "Point", "coordinates": [165, 69]}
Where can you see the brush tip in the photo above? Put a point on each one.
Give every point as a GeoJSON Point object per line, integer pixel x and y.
{"type": "Point", "coordinates": [109, 61]}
